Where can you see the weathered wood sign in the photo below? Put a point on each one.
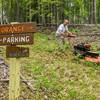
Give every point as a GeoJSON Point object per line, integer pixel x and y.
{"type": "Point", "coordinates": [16, 39]}
{"type": "Point", "coordinates": [12, 35]}
{"type": "Point", "coordinates": [18, 28]}
{"type": "Point", "coordinates": [16, 52]}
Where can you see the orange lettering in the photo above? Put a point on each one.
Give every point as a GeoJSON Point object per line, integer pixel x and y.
{"type": "Point", "coordinates": [10, 29]}
{"type": "Point", "coordinates": [20, 29]}
{"type": "Point", "coordinates": [15, 29]}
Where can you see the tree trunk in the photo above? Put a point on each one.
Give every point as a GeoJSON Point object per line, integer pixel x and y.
{"type": "Point", "coordinates": [17, 14]}
{"type": "Point", "coordinates": [94, 11]}
{"type": "Point", "coordinates": [2, 14]}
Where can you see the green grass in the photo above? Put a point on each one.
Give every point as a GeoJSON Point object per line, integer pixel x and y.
{"type": "Point", "coordinates": [75, 30]}
{"type": "Point", "coordinates": [57, 76]}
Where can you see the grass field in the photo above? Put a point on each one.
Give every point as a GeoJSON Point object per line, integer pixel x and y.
{"type": "Point", "coordinates": [58, 75]}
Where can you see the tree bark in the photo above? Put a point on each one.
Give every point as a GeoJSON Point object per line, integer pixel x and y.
{"type": "Point", "coordinates": [17, 14]}
{"type": "Point", "coordinates": [94, 12]}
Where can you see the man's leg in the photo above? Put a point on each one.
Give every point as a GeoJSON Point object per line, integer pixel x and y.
{"type": "Point", "coordinates": [61, 43]}
{"type": "Point", "coordinates": [71, 42]}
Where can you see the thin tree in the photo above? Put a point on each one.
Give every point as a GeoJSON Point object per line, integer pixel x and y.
{"type": "Point", "coordinates": [94, 12]}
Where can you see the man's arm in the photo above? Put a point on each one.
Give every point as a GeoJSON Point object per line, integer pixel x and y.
{"type": "Point", "coordinates": [69, 34]}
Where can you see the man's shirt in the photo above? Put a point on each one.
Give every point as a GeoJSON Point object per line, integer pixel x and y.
{"type": "Point", "coordinates": [61, 29]}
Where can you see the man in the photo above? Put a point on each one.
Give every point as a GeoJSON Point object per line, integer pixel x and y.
{"type": "Point", "coordinates": [63, 32]}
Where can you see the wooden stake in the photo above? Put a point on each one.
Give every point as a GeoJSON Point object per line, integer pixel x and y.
{"type": "Point", "coordinates": [14, 84]}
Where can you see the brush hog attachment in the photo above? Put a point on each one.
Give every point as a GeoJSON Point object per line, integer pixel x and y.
{"type": "Point", "coordinates": [91, 54]}
{"type": "Point", "coordinates": [91, 59]}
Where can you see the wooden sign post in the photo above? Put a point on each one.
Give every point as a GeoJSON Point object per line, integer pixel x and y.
{"type": "Point", "coordinates": [12, 35]}
{"type": "Point", "coordinates": [14, 84]}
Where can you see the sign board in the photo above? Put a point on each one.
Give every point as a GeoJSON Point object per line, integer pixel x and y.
{"type": "Point", "coordinates": [18, 28]}
{"type": "Point", "coordinates": [16, 52]}
{"type": "Point", "coordinates": [16, 34]}
{"type": "Point", "coordinates": [16, 39]}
